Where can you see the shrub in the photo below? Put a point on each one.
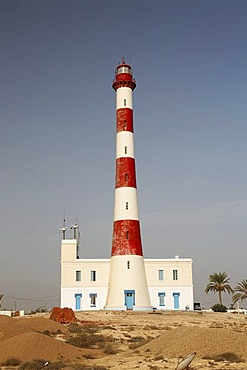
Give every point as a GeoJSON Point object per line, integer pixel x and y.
{"type": "Point", "coordinates": [89, 356]}
{"type": "Point", "coordinates": [91, 328]}
{"type": "Point", "coordinates": [56, 332]}
{"type": "Point", "coordinates": [109, 350]}
{"type": "Point", "coordinates": [12, 361]}
{"type": "Point", "coordinates": [84, 340]}
{"type": "Point", "coordinates": [219, 308]}
{"type": "Point", "coordinates": [227, 356]}
{"type": "Point", "coordinates": [46, 332]}
{"type": "Point", "coordinates": [40, 365]}
{"type": "Point", "coordinates": [74, 328]}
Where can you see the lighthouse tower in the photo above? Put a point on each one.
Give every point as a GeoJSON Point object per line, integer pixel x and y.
{"type": "Point", "coordinates": [127, 282]}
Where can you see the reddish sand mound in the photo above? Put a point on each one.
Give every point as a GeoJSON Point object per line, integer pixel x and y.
{"type": "Point", "coordinates": [41, 324]}
{"type": "Point", "coordinates": [63, 315]}
{"type": "Point", "coordinates": [206, 342]}
{"type": "Point", "coordinates": [29, 346]}
{"type": "Point", "coordinates": [9, 327]}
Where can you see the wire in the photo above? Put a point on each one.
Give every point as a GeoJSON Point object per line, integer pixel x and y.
{"type": "Point", "coordinates": [41, 299]}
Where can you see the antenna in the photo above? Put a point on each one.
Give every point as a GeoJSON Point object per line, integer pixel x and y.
{"type": "Point", "coordinates": [75, 227]}
{"type": "Point", "coordinates": [63, 229]}
{"type": "Point", "coordinates": [76, 235]}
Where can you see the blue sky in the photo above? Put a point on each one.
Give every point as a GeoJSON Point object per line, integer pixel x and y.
{"type": "Point", "coordinates": [57, 137]}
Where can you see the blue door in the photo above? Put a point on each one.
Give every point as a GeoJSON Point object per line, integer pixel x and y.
{"type": "Point", "coordinates": [78, 301]}
{"type": "Point", "coordinates": [129, 299]}
{"type": "Point", "coordinates": [176, 300]}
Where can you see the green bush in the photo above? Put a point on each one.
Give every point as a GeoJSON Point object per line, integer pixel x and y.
{"type": "Point", "coordinates": [219, 308]}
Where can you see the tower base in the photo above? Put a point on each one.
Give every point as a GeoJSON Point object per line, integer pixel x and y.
{"type": "Point", "coordinates": [123, 308]}
{"type": "Point", "coordinates": [128, 285]}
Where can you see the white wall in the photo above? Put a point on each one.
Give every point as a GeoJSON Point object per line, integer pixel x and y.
{"type": "Point", "coordinates": [70, 287]}
{"type": "Point", "coordinates": [123, 139]}
{"type": "Point", "coordinates": [124, 95]}
{"type": "Point", "coordinates": [68, 297]}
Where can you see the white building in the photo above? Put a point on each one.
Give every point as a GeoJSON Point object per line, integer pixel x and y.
{"type": "Point", "coordinates": [84, 282]}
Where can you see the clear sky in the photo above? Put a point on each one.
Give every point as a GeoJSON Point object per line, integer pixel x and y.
{"type": "Point", "coordinates": [57, 146]}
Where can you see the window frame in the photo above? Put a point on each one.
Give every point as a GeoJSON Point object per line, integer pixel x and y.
{"type": "Point", "coordinates": [93, 297]}
{"type": "Point", "coordinates": [161, 275]}
{"type": "Point", "coordinates": [93, 275]}
{"type": "Point", "coordinates": [175, 274]}
{"type": "Point", "coordinates": [78, 275]}
{"type": "Point", "coordinates": [161, 296]}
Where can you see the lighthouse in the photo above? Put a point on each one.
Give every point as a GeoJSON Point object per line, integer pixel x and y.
{"type": "Point", "coordinates": [127, 287]}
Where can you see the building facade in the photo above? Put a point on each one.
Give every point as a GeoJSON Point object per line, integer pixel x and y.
{"type": "Point", "coordinates": [84, 282]}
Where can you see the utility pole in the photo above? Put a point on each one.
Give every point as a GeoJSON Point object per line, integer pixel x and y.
{"type": "Point", "coordinates": [1, 296]}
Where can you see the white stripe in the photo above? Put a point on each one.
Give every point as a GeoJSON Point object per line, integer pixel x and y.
{"type": "Point", "coordinates": [126, 197]}
{"type": "Point", "coordinates": [125, 144]}
{"type": "Point", "coordinates": [124, 98]}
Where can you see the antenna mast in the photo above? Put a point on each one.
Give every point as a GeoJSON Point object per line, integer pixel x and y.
{"type": "Point", "coordinates": [76, 234]}
{"type": "Point", "coordinates": [63, 229]}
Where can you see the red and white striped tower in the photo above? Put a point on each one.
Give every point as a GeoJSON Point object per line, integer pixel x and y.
{"type": "Point", "coordinates": [127, 282]}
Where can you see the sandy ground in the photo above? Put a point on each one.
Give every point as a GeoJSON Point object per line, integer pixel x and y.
{"type": "Point", "coordinates": [150, 341]}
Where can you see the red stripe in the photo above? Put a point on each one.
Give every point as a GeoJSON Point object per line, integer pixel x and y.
{"type": "Point", "coordinates": [125, 172]}
{"type": "Point", "coordinates": [126, 238]}
{"type": "Point", "coordinates": [124, 77]}
{"type": "Point", "coordinates": [124, 119]}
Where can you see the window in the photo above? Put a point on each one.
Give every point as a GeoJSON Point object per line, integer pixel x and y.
{"type": "Point", "coordinates": [128, 265]}
{"type": "Point", "coordinates": [175, 274]}
{"type": "Point", "coordinates": [161, 298]}
{"type": "Point", "coordinates": [126, 177]}
{"type": "Point", "coordinates": [93, 275]}
{"type": "Point", "coordinates": [93, 297]}
{"type": "Point", "coordinates": [125, 150]}
{"type": "Point", "coordinates": [125, 124]}
{"type": "Point", "coordinates": [127, 234]}
{"type": "Point", "coordinates": [125, 102]}
{"type": "Point", "coordinates": [161, 274]}
{"type": "Point", "coordinates": [127, 205]}
{"type": "Point", "coordinates": [78, 275]}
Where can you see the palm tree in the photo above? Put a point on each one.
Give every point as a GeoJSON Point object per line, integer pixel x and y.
{"type": "Point", "coordinates": [240, 291]}
{"type": "Point", "coordinates": [218, 283]}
